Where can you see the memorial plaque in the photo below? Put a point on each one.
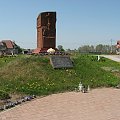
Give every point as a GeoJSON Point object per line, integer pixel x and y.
{"type": "Point", "coordinates": [61, 62]}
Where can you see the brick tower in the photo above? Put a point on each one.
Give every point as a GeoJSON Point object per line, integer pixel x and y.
{"type": "Point", "coordinates": [46, 31]}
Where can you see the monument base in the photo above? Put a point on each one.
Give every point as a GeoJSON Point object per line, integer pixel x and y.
{"type": "Point", "coordinates": [41, 50]}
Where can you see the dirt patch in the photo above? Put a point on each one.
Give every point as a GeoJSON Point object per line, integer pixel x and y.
{"type": "Point", "coordinates": [111, 69]}
{"type": "Point", "coordinates": [117, 74]}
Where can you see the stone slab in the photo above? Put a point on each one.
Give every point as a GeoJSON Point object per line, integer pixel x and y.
{"type": "Point", "coordinates": [61, 62]}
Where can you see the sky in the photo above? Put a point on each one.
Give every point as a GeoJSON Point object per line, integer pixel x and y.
{"type": "Point", "coordinates": [79, 22]}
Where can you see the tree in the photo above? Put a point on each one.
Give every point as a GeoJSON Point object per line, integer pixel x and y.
{"type": "Point", "coordinates": [18, 48]}
{"type": "Point", "coordinates": [99, 48]}
{"type": "Point", "coordinates": [86, 49]}
{"type": "Point", "coordinates": [105, 48]}
{"type": "Point", "coordinates": [60, 48]}
{"type": "Point", "coordinates": [2, 46]}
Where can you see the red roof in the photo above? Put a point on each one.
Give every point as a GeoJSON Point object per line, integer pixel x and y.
{"type": "Point", "coordinates": [8, 43]}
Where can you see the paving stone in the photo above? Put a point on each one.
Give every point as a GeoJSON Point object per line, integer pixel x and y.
{"type": "Point", "coordinates": [98, 104]}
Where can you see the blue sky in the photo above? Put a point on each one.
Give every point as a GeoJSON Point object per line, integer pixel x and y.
{"type": "Point", "coordinates": [79, 22]}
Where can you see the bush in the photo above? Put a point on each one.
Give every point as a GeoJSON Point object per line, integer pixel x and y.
{"type": "Point", "coordinates": [4, 95]}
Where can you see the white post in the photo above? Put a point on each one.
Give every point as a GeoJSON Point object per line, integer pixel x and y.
{"type": "Point", "coordinates": [80, 87]}
{"type": "Point", "coordinates": [98, 57]}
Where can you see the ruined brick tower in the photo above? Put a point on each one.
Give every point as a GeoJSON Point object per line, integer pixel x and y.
{"type": "Point", "coordinates": [46, 31]}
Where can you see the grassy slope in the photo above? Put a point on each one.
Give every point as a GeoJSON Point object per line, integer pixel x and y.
{"type": "Point", "coordinates": [35, 75]}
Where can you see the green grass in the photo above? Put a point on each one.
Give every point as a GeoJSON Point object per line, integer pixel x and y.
{"type": "Point", "coordinates": [35, 75]}
{"type": "Point", "coordinates": [4, 95]}
{"type": "Point", "coordinates": [92, 73]}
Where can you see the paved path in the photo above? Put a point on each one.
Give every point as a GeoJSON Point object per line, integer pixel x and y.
{"type": "Point", "coordinates": [98, 104]}
{"type": "Point", "coordinates": [112, 57]}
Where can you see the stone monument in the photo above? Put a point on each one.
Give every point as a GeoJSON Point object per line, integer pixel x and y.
{"type": "Point", "coordinates": [46, 31]}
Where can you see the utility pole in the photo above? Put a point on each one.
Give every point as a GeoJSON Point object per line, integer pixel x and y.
{"type": "Point", "coordinates": [111, 46]}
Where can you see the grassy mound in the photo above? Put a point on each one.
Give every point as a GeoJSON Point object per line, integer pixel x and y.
{"type": "Point", "coordinates": [35, 75]}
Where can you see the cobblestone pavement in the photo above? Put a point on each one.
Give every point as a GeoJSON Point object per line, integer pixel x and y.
{"type": "Point", "coordinates": [98, 104]}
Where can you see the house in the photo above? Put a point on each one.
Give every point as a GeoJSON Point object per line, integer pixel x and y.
{"type": "Point", "coordinates": [118, 47]}
{"type": "Point", "coordinates": [2, 48]}
{"type": "Point", "coordinates": [8, 47]}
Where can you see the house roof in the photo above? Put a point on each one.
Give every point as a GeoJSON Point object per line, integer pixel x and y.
{"type": "Point", "coordinates": [9, 43]}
